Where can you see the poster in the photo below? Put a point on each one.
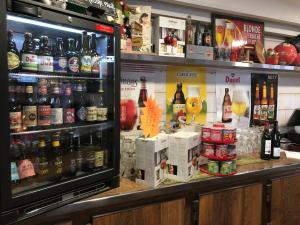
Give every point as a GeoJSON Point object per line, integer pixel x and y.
{"type": "Point", "coordinates": [233, 97]}
{"type": "Point", "coordinates": [232, 34]}
{"type": "Point", "coordinates": [264, 89]}
{"type": "Point", "coordinates": [138, 83]}
{"type": "Point", "coordinates": [186, 96]}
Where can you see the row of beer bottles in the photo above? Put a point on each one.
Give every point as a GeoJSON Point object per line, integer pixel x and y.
{"type": "Point", "coordinates": [32, 106]}
{"type": "Point", "coordinates": [58, 158]}
{"type": "Point", "coordinates": [37, 55]}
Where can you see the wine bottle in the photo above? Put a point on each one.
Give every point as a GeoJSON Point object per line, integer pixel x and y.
{"type": "Point", "coordinates": [275, 134]}
{"type": "Point", "coordinates": [266, 141]}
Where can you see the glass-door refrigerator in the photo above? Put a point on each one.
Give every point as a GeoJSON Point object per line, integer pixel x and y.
{"type": "Point", "coordinates": [59, 116]}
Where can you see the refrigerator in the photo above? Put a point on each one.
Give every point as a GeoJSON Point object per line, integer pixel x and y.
{"type": "Point", "coordinates": [60, 96]}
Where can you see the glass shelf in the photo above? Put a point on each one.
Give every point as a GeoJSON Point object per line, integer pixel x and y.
{"type": "Point", "coordinates": [103, 125]}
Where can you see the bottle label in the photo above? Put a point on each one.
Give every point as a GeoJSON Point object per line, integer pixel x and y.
{"type": "Point", "coordinates": [73, 64]}
{"type": "Point", "coordinates": [69, 115]}
{"type": "Point", "coordinates": [86, 65]}
{"type": "Point", "coordinates": [60, 64]}
{"type": "Point", "coordinates": [13, 60]}
{"type": "Point", "coordinates": [227, 112]}
{"type": "Point", "coordinates": [96, 64]}
{"type": "Point", "coordinates": [72, 165]}
{"type": "Point", "coordinates": [26, 169]}
{"type": "Point", "coordinates": [271, 110]}
{"type": "Point", "coordinates": [29, 62]}
{"type": "Point", "coordinates": [91, 113]}
{"type": "Point", "coordinates": [56, 116]}
{"type": "Point", "coordinates": [79, 160]}
{"type": "Point", "coordinates": [58, 165]}
{"type": "Point", "coordinates": [179, 110]}
{"type": "Point", "coordinates": [99, 158]}
{"type": "Point", "coordinates": [90, 160]}
{"type": "Point", "coordinates": [268, 147]}
{"type": "Point", "coordinates": [14, 171]}
{"type": "Point", "coordinates": [44, 115]}
{"type": "Point", "coordinates": [264, 112]}
{"type": "Point", "coordinates": [46, 63]}
{"type": "Point", "coordinates": [256, 112]}
{"type": "Point", "coordinates": [29, 116]}
{"type": "Point", "coordinates": [102, 114]}
{"type": "Point", "coordinates": [15, 119]}
{"type": "Point", "coordinates": [81, 113]}
{"type": "Point", "coordinates": [43, 167]}
{"type": "Point", "coordinates": [43, 90]}
{"type": "Point", "coordinates": [276, 152]}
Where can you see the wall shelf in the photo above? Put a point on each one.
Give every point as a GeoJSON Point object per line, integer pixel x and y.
{"type": "Point", "coordinates": [163, 60]}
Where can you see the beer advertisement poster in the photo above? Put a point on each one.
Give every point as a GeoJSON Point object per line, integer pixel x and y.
{"type": "Point", "coordinates": [264, 89]}
{"type": "Point", "coordinates": [186, 96]}
{"type": "Point", "coordinates": [138, 83]}
{"type": "Point", "coordinates": [232, 35]}
{"type": "Point", "coordinates": [233, 97]}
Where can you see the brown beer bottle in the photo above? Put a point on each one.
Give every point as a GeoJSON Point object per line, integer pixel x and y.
{"type": "Point", "coordinates": [29, 110]}
{"type": "Point", "coordinates": [271, 107]}
{"type": "Point", "coordinates": [256, 109]}
{"type": "Point", "coordinates": [226, 108]}
{"type": "Point", "coordinates": [142, 98]}
{"type": "Point", "coordinates": [13, 58]}
{"type": "Point", "coordinates": [264, 104]}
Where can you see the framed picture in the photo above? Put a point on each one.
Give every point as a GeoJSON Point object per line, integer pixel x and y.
{"type": "Point", "coordinates": [234, 38]}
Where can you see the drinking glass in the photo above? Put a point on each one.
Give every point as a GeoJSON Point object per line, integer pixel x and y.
{"type": "Point", "coordinates": [239, 103]}
{"type": "Point", "coordinates": [193, 101]}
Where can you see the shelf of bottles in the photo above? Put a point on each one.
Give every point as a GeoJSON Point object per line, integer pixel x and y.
{"type": "Point", "coordinates": [61, 103]}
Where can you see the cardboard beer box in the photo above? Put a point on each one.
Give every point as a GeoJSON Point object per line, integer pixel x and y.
{"type": "Point", "coordinates": [169, 36]}
{"type": "Point", "coordinates": [140, 22]}
{"type": "Point", "coordinates": [151, 159]}
{"type": "Point", "coordinates": [199, 52]}
{"type": "Point", "coordinates": [183, 155]}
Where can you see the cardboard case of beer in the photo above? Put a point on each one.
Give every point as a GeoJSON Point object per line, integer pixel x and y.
{"type": "Point", "coordinates": [164, 28]}
{"type": "Point", "coordinates": [151, 159]}
{"type": "Point", "coordinates": [183, 155]}
{"type": "Point", "coordinates": [199, 52]}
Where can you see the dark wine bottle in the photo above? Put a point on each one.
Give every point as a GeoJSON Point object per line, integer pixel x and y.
{"type": "Point", "coordinates": [275, 134]}
{"type": "Point", "coordinates": [266, 146]}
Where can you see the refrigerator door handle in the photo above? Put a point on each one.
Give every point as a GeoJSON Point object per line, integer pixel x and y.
{"type": "Point", "coordinates": [20, 7]}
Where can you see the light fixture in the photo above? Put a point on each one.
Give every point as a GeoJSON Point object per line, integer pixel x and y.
{"type": "Point", "coordinates": [43, 24]}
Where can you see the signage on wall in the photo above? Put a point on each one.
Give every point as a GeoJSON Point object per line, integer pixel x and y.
{"type": "Point", "coordinates": [105, 5]}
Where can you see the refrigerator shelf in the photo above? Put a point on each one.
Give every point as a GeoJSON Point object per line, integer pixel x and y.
{"type": "Point", "coordinates": [103, 125]}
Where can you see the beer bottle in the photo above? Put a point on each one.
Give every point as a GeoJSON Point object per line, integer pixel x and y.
{"type": "Point", "coordinates": [56, 106]}
{"type": "Point", "coordinates": [256, 109]}
{"type": "Point", "coordinates": [142, 98]}
{"type": "Point", "coordinates": [68, 106]}
{"type": "Point", "coordinates": [95, 63]}
{"type": "Point", "coordinates": [29, 110]}
{"type": "Point", "coordinates": [15, 111]}
{"type": "Point", "coordinates": [69, 160]}
{"type": "Point", "coordinates": [80, 110]}
{"type": "Point", "coordinates": [25, 166]}
{"type": "Point", "coordinates": [15, 155]}
{"type": "Point", "coordinates": [79, 156]}
{"type": "Point", "coordinates": [226, 107]}
{"type": "Point", "coordinates": [178, 103]}
{"type": "Point", "coordinates": [105, 149]}
{"type": "Point", "coordinates": [198, 36]}
{"type": "Point", "coordinates": [36, 45]}
{"type": "Point", "coordinates": [45, 56]}
{"type": "Point", "coordinates": [264, 104]}
{"type": "Point", "coordinates": [266, 143]}
{"type": "Point", "coordinates": [99, 151]}
{"type": "Point", "coordinates": [101, 108]}
{"type": "Point", "coordinates": [275, 134]}
{"type": "Point", "coordinates": [91, 108]}
{"type": "Point", "coordinates": [28, 55]}
{"type": "Point", "coordinates": [271, 107]}
{"type": "Point", "coordinates": [89, 149]}
{"type": "Point", "coordinates": [59, 57]}
{"type": "Point", "coordinates": [43, 170]}
{"type": "Point", "coordinates": [13, 59]}
{"type": "Point", "coordinates": [57, 167]}
{"type": "Point", "coordinates": [85, 55]}
{"type": "Point", "coordinates": [189, 31]}
{"type": "Point", "coordinates": [44, 106]}
{"type": "Point", "coordinates": [73, 58]}
{"type": "Point", "coordinates": [206, 37]}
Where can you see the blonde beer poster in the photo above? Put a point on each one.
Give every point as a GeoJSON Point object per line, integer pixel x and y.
{"type": "Point", "coordinates": [186, 96]}
{"type": "Point", "coordinates": [233, 97]}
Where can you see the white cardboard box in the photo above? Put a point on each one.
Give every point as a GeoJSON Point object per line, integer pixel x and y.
{"type": "Point", "coordinates": [151, 159]}
{"type": "Point", "coordinates": [199, 52]}
{"type": "Point", "coordinates": [164, 26]}
{"type": "Point", "coordinates": [184, 150]}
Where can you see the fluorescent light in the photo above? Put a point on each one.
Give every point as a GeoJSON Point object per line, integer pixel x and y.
{"type": "Point", "coordinates": [42, 24]}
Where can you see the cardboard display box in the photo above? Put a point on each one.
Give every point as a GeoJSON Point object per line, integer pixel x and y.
{"type": "Point", "coordinates": [199, 52]}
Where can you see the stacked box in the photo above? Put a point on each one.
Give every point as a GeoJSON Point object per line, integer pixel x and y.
{"type": "Point", "coordinates": [165, 26]}
{"type": "Point", "coordinates": [199, 52]}
{"type": "Point", "coordinates": [151, 159]}
{"type": "Point", "coordinates": [184, 151]}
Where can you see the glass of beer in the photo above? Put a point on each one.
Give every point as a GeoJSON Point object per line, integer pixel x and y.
{"type": "Point", "coordinates": [193, 101]}
{"type": "Point", "coordinates": [220, 32]}
{"type": "Point", "coordinates": [228, 39]}
{"type": "Point", "coordinates": [239, 103]}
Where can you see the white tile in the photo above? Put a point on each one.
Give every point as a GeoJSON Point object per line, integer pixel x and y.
{"type": "Point", "coordinates": [211, 102]}
{"type": "Point", "coordinates": [289, 84]}
{"type": "Point", "coordinates": [211, 82]}
{"type": "Point", "coordinates": [281, 117]}
{"type": "Point", "coordinates": [161, 101]}
{"type": "Point", "coordinates": [211, 117]}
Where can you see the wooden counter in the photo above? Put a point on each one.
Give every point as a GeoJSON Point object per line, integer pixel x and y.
{"type": "Point", "coordinates": [194, 201]}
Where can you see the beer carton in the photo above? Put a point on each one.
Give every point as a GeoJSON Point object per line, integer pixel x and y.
{"type": "Point", "coordinates": [169, 36]}
{"type": "Point", "coordinates": [151, 159]}
{"type": "Point", "coordinates": [184, 151]}
{"type": "Point", "coordinates": [199, 52]}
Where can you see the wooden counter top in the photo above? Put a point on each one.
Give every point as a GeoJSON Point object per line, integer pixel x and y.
{"type": "Point", "coordinates": [131, 194]}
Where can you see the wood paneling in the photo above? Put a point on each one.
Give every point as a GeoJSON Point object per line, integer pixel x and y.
{"type": "Point", "coordinates": [239, 206]}
{"type": "Point", "coordinates": [285, 203]}
{"type": "Point", "coordinates": [165, 213]}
